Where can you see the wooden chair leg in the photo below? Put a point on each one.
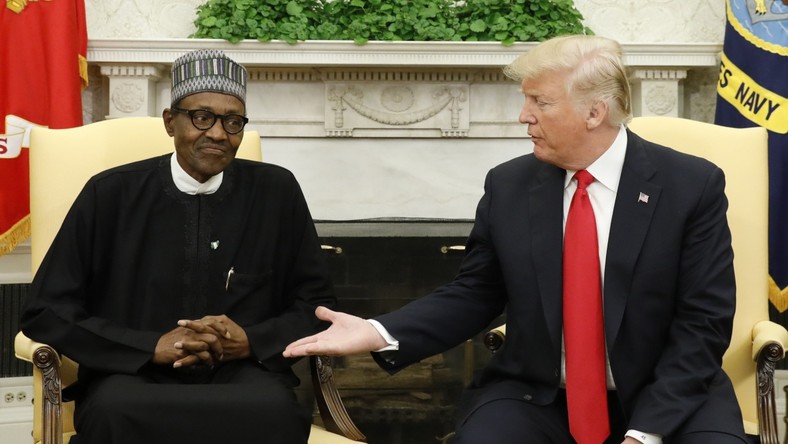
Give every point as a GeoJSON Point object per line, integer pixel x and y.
{"type": "Point", "coordinates": [332, 410]}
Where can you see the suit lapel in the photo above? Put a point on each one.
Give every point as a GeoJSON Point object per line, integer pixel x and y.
{"type": "Point", "coordinates": [546, 214]}
{"type": "Point", "coordinates": [636, 200]}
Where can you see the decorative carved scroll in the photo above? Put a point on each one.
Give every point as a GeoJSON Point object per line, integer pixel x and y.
{"type": "Point", "coordinates": [493, 340]}
{"type": "Point", "coordinates": [767, 411]}
{"type": "Point", "coordinates": [46, 360]}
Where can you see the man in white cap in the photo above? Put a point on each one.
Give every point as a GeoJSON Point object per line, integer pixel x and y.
{"type": "Point", "coordinates": [177, 281]}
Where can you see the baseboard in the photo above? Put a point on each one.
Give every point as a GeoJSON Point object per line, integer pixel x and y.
{"type": "Point", "coordinates": [16, 410]}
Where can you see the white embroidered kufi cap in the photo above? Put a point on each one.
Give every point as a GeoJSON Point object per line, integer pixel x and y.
{"type": "Point", "coordinates": [207, 70]}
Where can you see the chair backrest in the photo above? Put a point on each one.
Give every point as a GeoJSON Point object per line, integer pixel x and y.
{"type": "Point", "coordinates": [742, 155]}
{"type": "Point", "coordinates": [62, 161]}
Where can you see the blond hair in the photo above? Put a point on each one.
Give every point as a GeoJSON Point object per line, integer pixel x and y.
{"type": "Point", "coordinates": [595, 71]}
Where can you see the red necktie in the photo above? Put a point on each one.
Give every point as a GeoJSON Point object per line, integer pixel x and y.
{"type": "Point", "coordinates": [584, 341]}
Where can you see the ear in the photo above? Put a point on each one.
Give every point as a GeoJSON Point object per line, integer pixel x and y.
{"type": "Point", "coordinates": [597, 114]}
{"type": "Point", "coordinates": [167, 116]}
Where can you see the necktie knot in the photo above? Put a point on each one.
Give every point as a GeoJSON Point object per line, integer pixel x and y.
{"type": "Point", "coordinates": [584, 179]}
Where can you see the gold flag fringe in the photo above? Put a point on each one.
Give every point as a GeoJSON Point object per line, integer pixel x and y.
{"type": "Point", "coordinates": [83, 70]}
{"type": "Point", "coordinates": [777, 296]}
{"type": "Point", "coordinates": [16, 5]}
{"type": "Point", "coordinates": [18, 233]}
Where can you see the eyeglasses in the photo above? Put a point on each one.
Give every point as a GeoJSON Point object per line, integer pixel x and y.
{"type": "Point", "coordinates": [203, 120]}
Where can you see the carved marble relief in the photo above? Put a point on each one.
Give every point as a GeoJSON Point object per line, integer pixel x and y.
{"type": "Point", "coordinates": [393, 107]}
{"type": "Point", "coordinates": [127, 97]}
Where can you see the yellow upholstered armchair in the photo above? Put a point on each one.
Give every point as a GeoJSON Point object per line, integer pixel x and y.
{"type": "Point", "coordinates": [61, 162]}
{"type": "Point", "coordinates": [757, 343]}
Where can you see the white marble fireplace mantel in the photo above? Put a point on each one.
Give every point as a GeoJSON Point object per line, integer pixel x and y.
{"type": "Point", "coordinates": [344, 53]}
{"type": "Point", "coordinates": [385, 129]}
{"type": "Point", "coordinates": [656, 69]}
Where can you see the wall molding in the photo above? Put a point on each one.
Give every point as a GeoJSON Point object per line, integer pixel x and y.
{"type": "Point", "coordinates": [321, 53]}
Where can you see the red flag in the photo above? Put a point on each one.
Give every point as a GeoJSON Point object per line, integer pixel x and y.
{"type": "Point", "coordinates": [43, 53]}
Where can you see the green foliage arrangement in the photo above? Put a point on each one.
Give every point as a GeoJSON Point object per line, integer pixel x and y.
{"type": "Point", "coordinates": [505, 21]}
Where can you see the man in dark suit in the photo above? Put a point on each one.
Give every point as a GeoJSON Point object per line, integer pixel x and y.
{"type": "Point", "coordinates": [661, 269]}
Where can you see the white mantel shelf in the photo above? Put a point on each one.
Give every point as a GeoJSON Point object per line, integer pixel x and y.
{"type": "Point", "coordinates": [320, 53]}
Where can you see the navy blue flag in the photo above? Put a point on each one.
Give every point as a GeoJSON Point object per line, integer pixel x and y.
{"type": "Point", "coordinates": [752, 90]}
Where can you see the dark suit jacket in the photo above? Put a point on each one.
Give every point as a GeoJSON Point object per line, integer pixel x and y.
{"type": "Point", "coordinates": [669, 293]}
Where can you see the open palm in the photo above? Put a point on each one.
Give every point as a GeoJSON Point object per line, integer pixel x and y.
{"type": "Point", "coordinates": [347, 335]}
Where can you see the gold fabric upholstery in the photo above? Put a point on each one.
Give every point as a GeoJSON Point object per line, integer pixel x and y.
{"type": "Point", "coordinates": [743, 156]}
{"type": "Point", "coordinates": [61, 162]}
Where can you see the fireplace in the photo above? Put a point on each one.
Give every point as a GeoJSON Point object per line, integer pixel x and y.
{"type": "Point", "coordinates": [378, 266]}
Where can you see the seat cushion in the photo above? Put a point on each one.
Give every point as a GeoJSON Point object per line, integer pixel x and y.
{"type": "Point", "coordinates": [319, 435]}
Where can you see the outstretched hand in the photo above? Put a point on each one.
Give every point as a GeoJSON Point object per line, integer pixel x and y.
{"type": "Point", "coordinates": [347, 335]}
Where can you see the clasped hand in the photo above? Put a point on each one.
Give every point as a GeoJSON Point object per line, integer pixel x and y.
{"type": "Point", "coordinates": [208, 341]}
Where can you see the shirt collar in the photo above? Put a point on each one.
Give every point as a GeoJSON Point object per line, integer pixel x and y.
{"type": "Point", "coordinates": [607, 168]}
{"type": "Point", "coordinates": [190, 185]}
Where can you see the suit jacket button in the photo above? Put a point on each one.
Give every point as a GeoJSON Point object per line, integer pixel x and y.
{"type": "Point", "coordinates": [528, 397]}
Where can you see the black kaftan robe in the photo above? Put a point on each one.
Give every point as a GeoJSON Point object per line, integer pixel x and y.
{"type": "Point", "coordinates": [134, 255]}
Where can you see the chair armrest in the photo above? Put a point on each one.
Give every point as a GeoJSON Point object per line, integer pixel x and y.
{"type": "Point", "coordinates": [765, 333]}
{"type": "Point", "coordinates": [25, 348]}
{"type": "Point", "coordinates": [768, 348]}
{"type": "Point", "coordinates": [29, 350]}
{"type": "Point", "coordinates": [495, 338]}
{"type": "Point", "coordinates": [47, 387]}
{"type": "Point", "coordinates": [332, 411]}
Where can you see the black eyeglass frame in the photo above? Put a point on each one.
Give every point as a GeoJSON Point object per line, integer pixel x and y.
{"type": "Point", "coordinates": [214, 117]}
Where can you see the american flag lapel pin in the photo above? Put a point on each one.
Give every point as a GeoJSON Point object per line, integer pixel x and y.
{"type": "Point", "coordinates": [643, 198]}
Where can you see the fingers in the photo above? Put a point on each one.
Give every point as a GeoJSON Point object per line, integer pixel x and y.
{"type": "Point", "coordinates": [312, 348]}
{"type": "Point", "coordinates": [187, 361]}
{"type": "Point", "coordinates": [208, 324]}
{"type": "Point", "coordinates": [300, 347]}
{"type": "Point", "coordinates": [325, 314]}
{"type": "Point", "coordinates": [202, 343]}
{"type": "Point", "coordinates": [196, 358]}
{"type": "Point", "coordinates": [222, 325]}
